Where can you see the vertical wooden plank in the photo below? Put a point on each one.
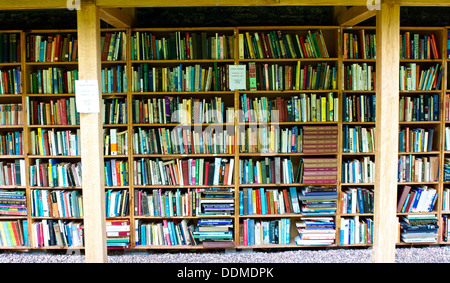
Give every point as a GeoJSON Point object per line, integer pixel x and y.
{"type": "Point", "coordinates": [89, 64]}
{"type": "Point", "coordinates": [386, 132]}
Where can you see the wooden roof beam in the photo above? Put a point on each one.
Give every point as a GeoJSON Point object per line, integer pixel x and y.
{"type": "Point", "coordinates": [354, 15]}
{"type": "Point", "coordinates": [117, 17]}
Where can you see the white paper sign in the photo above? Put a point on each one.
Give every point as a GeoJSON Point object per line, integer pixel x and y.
{"type": "Point", "coordinates": [237, 77]}
{"type": "Point", "coordinates": [87, 96]}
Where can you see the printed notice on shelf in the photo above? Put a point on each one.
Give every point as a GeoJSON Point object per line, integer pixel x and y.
{"type": "Point", "coordinates": [87, 96]}
{"type": "Point", "coordinates": [237, 77]}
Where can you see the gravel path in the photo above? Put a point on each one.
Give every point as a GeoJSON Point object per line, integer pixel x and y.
{"type": "Point", "coordinates": [403, 255]}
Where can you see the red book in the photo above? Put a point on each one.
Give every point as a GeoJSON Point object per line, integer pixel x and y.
{"type": "Point", "coordinates": [185, 166]}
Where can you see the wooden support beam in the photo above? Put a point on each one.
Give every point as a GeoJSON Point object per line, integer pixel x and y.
{"type": "Point", "coordinates": [117, 17]}
{"type": "Point", "coordinates": [89, 65]}
{"type": "Point", "coordinates": [386, 132]}
{"type": "Point", "coordinates": [354, 16]}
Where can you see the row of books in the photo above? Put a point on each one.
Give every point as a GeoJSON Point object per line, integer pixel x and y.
{"type": "Point", "coordinates": [147, 78]}
{"type": "Point", "coordinates": [174, 109]}
{"type": "Point", "coordinates": [416, 199]}
{"type": "Point", "coordinates": [213, 230]}
{"type": "Point", "coordinates": [115, 141]}
{"type": "Point", "coordinates": [11, 143]}
{"type": "Point", "coordinates": [14, 233]}
{"type": "Point", "coordinates": [358, 107]}
{"type": "Point", "coordinates": [357, 200]}
{"type": "Point", "coordinates": [118, 234]}
{"type": "Point", "coordinates": [274, 170]}
{"type": "Point", "coordinates": [298, 108]}
{"type": "Point", "coordinates": [317, 170]}
{"type": "Point", "coordinates": [54, 80]}
{"type": "Point", "coordinates": [419, 228]}
{"type": "Point", "coordinates": [12, 173]}
{"type": "Point", "coordinates": [281, 44]}
{"type": "Point", "coordinates": [263, 232]}
{"type": "Point", "coordinates": [54, 112]}
{"type": "Point", "coordinates": [180, 140]}
{"type": "Point", "coordinates": [356, 230]}
{"type": "Point", "coordinates": [447, 138]}
{"type": "Point", "coordinates": [419, 108]}
{"type": "Point", "coordinates": [359, 77]}
{"type": "Point", "coordinates": [271, 139]}
{"type": "Point", "coordinates": [13, 202]}
{"type": "Point", "coordinates": [114, 79]}
{"type": "Point", "coordinates": [321, 76]}
{"type": "Point", "coordinates": [10, 48]}
{"type": "Point", "coordinates": [318, 200]}
{"type": "Point", "coordinates": [358, 170]}
{"type": "Point", "coordinates": [413, 168]}
{"type": "Point", "coordinates": [445, 228]}
{"type": "Point", "coordinates": [114, 111]}
{"type": "Point", "coordinates": [446, 199]}
{"type": "Point", "coordinates": [414, 77]}
{"type": "Point", "coordinates": [359, 45]}
{"type": "Point", "coordinates": [113, 46]}
{"type": "Point", "coordinates": [56, 203]}
{"type": "Point", "coordinates": [192, 202]}
{"type": "Point", "coordinates": [415, 140]}
{"type": "Point", "coordinates": [61, 233]}
{"type": "Point", "coordinates": [181, 45]}
{"type": "Point", "coordinates": [418, 46]}
{"type": "Point", "coordinates": [446, 169]}
{"type": "Point", "coordinates": [55, 142]}
{"type": "Point", "coordinates": [51, 48]}
{"type": "Point", "coordinates": [165, 233]}
{"type": "Point", "coordinates": [11, 114]}
{"type": "Point", "coordinates": [358, 139]}
{"type": "Point", "coordinates": [315, 231]}
{"type": "Point", "coordinates": [116, 173]}
{"type": "Point", "coordinates": [263, 201]}
{"type": "Point", "coordinates": [117, 203]}
{"type": "Point", "coordinates": [54, 173]}
{"type": "Point", "coordinates": [11, 81]}
{"type": "Point", "coordinates": [184, 172]}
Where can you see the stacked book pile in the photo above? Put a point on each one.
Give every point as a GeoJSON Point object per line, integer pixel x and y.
{"type": "Point", "coordinates": [320, 139]}
{"type": "Point", "coordinates": [117, 234]}
{"type": "Point", "coordinates": [13, 202]}
{"type": "Point", "coordinates": [217, 201]}
{"type": "Point", "coordinates": [214, 230]}
{"type": "Point", "coordinates": [318, 170]}
{"type": "Point", "coordinates": [315, 231]}
{"type": "Point", "coordinates": [419, 228]}
{"type": "Point", "coordinates": [318, 200]}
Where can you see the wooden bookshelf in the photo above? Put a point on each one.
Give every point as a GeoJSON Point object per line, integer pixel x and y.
{"type": "Point", "coordinates": [130, 66]}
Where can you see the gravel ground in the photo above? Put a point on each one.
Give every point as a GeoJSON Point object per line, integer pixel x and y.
{"type": "Point", "coordinates": [403, 255]}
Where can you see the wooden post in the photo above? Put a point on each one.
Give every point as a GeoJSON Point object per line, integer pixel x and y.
{"type": "Point", "coordinates": [386, 132]}
{"type": "Point", "coordinates": [89, 64]}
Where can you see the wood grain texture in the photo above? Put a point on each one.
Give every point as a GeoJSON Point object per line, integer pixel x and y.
{"type": "Point", "coordinates": [386, 154]}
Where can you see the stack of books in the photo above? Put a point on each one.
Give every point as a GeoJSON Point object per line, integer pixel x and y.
{"type": "Point", "coordinates": [419, 228]}
{"type": "Point", "coordinates": [214, 230]}
{"type": "Point", "coordinates": [315, 231]}
{"type": "Point", "coordinates": [217, 201]}
{"type": "Point", "coordinates": [320, 139]}
{"type": "Point", "coordinates": [117, 234]}
{"type": "Point", "coordinates": [318, 200]}
{"type": "Point", "coordinates": [320, 170]}
{"type": "Point", "coordinates": [13, 203]}
{"type": "Point", "coordinates": [14, 233]}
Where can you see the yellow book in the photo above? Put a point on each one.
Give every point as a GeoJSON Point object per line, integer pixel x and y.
{"type": "Point", "coordinates": [41, 148]}
{"type": "Point", "coordinates": [323, 107]}
{"type": "Point", "coordinates": [11, 233]}
{"type": "Point", "coordinates": [297, 78]}
{"type": "Point", "coordinates": [250, 46]}
{"type": "Point", "coordinates": [3, 234]}
{"type": "Point", "coordinates": [330, 107]}
{"type": "Point", "coordinates": [241, 46]}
